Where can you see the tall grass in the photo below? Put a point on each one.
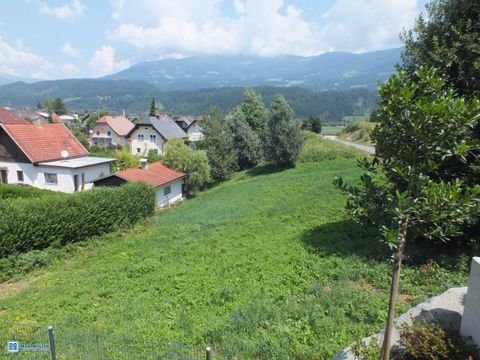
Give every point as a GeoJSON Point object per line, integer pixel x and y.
{"type": "Point", "coordinates": [318, 149]}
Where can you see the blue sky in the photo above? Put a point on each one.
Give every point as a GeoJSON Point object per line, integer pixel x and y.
{"type": "Point", "coordinates": [53, 39]}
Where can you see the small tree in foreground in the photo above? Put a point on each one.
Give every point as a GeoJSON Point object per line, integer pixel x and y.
{"type": "Point", "coordinates": [283, 139]}
{"type": "Point", "coordinates": [423, 188]}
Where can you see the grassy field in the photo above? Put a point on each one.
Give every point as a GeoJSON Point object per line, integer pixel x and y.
{"type": "Point", "coordinates": [331, 130]}
{"type": "Point", "coordinates": [264, 266]}
{"type": "Point", "coordinates": [358, 132]}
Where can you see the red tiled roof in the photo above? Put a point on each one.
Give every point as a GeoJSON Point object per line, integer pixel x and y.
{"type": "Point", "coordinates": [45, 142]}
{"type": "Point", "coordinates": [7, 117]}
{"type": "Point", "coordinates": [120, 124]}
{"type": "Point", "coordinates": [156, 175]}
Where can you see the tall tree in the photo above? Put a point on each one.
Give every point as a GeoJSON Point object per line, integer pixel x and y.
{"type": "Point", "coordinates": [55, 105]}
{"type": "Point", "coordinates": [218, 143]}
{"type": "Point", "coordinates": [447, 39]}
{"type": "Point", "coordinates": [283, 139]}
{"type": "Point", "coordinates": [153, 108]}
{"type": "Point", "coordinates": [254, 110]}
{"type": "Point", "coordinates": [245, 141]}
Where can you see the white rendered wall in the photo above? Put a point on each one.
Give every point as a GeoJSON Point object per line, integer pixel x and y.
{"type": "Point", "coordinates": [174, 196]}
{"type": "Point", "coordinates": [471, 314]}
{"type": "Point", "coordinates": [35, 175]}
{"type": "Point", "coordinates": [146, 144]}
{"type": "Point", "coordinates": [195, 133]}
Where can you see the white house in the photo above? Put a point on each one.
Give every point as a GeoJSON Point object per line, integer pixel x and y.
{"type": "Point", "coordinates": [47, 156]}
{"type": "Point", "coordinates": [191, 125]}
{"type": "Point", "coordinates": [153, 133]}
{"type": "Point", "coordinates": [168, 183]}
{"type": "Point", "coordinates": [111, 131]}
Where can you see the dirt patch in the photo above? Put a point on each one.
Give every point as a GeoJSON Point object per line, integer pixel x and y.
{"type": "Point", "coordinates": [12, 288]}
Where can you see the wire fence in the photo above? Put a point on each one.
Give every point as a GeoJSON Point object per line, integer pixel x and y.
{"type": "Point", "coordinates": [22, 341]}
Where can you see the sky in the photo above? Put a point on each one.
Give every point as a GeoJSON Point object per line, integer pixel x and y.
{"type": "Point", "coordinates": [55, 39]}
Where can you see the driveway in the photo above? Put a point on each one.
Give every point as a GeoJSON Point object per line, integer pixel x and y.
{"type": "Point", "coordinates": [366, 148]}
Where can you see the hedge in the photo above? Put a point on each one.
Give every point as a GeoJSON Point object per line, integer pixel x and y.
{"type": "Point", "coordinates": [36, 223]}
{"type": "Point", "coordinates": [8, 191]}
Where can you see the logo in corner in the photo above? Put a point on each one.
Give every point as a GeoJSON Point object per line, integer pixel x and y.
{"type": "Point", "coordinates": [13, 346]}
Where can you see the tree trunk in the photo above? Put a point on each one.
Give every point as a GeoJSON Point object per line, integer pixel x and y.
{"type": "Point", "coordinates": [397, 263]}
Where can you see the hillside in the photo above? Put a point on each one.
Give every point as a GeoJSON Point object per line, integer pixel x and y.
{"type": "Point", "coordinates": [135, 97]}
{"type": "Point", "coordinates": [329, 71]}
{"type": "Point", "coordinates": [266, 265]}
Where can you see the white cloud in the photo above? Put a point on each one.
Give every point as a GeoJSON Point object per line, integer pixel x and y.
{"type": "Point", "coordinates": [266, 28]}
{"type": "Point", "coordinates": [15, 61]}
{"type": "Point", "coordinates": [70, 51]}
{"type": "Point", "coordinates": [189, 27]}
{"type": "Point", "coordinates": [362, 25]}
{"type": "Point", "coordinates": [69, 70]}
{"type": "Point", "coordinates": [103, 61]}
{"type": "Point", "coordinates": [66, 12]}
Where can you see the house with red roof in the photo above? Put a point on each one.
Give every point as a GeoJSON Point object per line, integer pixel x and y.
{"type": "Point", "coordinates": [47, 156]}
{"type": "Point", "coordinates": [168, 183]}
{"type": "Point", "coordinates": [111, 131]}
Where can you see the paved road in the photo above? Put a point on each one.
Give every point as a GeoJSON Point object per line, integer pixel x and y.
{"type": "Point", "coordinates": [366, 148]}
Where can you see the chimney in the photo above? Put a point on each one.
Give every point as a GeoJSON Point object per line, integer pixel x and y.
{"type": "Point", "coordinates": [144, 164]}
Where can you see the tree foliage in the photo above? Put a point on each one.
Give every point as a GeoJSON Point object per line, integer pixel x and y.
{"type": "Point", "coordinates": [245, 141]}
{"type": "Point", "coordinates": [447, 39]}
{"type": "Point", "coordinates": [194, 163]}
{"type": "Point", "coordinates": [218, 143]}
{"type": "Point", "coordinates": [55, 105]}
{"type": "Point", "coordinates": [153, 108]}
{"type": "Point", "coordinates": [254, 110]}
{"type": "Point", "coordinates": [313, 124]}
{"type": "Point", "coordinates": [283, 139]}
{"type": "Point", "coordinates": [125, 160]}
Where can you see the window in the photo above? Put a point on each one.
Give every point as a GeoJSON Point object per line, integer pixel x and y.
{"type": "Point", "coordinates": [109, 133]}
{"type": "Point", "coordinates": [20, 176]}
{"type": "Point", "coordinates": [140, 137]}
{"type": "Point", "coordinates": [153, 137]}
{"type": "Point", "coordinates": [50, 178]}
{"type": "Point", "coordinates": [98, 132]}
{"type": "Point", "coordinates": [167, 190]}
{"type": "Point", "coordinates": [139, 150]}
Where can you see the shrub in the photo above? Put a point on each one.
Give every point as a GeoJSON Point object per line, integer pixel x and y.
{"type": "Point", "coordinates": [29, 224]}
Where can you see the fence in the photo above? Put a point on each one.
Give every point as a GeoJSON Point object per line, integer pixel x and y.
{"type": "Point", "coordinates": [22, 341]}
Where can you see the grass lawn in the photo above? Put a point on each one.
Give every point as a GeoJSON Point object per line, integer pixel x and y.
{"type": "Point", "coordinates": [332, 130]}
{"type": "Point", "coordinates": [265, 266]}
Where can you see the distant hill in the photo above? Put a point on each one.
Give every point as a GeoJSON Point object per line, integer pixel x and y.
{"type": "Point", "coordinates": [135, 97]}
{"type": "Point", "coordinates": [329, 71]}
{"type": "Point", "coordinates": [7, 79]}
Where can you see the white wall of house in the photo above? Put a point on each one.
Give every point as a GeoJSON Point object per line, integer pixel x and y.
{"type": "Point", "coordinates": [102, 131]}
{"type": "Point", "coordinates": [35, 175]}
{"type": "Point", "coordinates": [141, 147]}
{"type": "Point", "coordinates": [175, 195]}
{"type": "Point", "coordinates": [195, 132]}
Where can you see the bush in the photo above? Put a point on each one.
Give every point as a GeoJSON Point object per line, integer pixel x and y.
{"type": "Point", "coordinates": [29, 224]}
{"type": "Point", "coordinates": [9, 191]}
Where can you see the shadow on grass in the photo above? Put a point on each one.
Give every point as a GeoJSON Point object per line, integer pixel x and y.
{"type": "Point", "coordinates": [345, 238]}
{"type": "Point", "coordinates": [266, 169]}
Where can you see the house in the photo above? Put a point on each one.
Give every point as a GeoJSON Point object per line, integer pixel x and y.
{"type": "Point", "coordinates": [153, 133]}
{"type": "Point", "coordinates": [8, 117]}
{"type": "Point", "coordinates": [168, 183]}
{"type": "Point", "coordinates": [47, 156]}
{"type": "Point", "coordinates": [191, 125]}
{"type": "Point", "coordinates": [111, 131]}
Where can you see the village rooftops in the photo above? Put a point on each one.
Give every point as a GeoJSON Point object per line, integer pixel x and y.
{"type": "Point", "coordinates": [77, 163]}
{"type": "Point", "coordinates": [164, 125]}
{"type": "Point", "coordinates": [120, 124]}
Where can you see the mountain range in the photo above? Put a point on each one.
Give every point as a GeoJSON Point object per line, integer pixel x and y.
{"type": "Point", "coordinates": [215, 80]}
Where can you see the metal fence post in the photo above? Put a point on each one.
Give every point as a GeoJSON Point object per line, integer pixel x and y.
{"type": "Point", "coordinates": [51, 336]}
{"type": "Point", "coordinates": [208, 353]}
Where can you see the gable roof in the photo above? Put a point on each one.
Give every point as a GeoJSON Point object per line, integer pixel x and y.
{"type": "Point", "coordinates": [120, 124]}
{"type": "Point", "coordinates": [45, 142]}
{"type": "Point", "coordinates": [8, 117]}
{"type": "Point", "coordinates": [156, 175]}
{"type": "Point", "coordinates": [164, 125]}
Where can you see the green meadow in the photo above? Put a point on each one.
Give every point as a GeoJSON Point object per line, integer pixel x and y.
{"type": "Point", "coordinates": [264, 266]}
